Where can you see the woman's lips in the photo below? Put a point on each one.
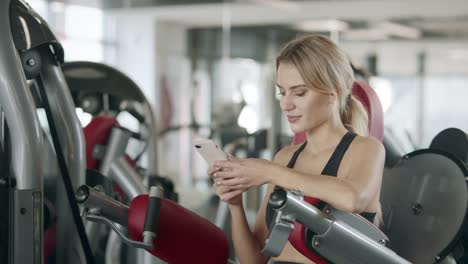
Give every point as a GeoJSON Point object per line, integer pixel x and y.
{"type": "Point", "coordinates": [293, 119]}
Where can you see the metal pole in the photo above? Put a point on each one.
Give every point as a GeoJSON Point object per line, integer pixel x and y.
{"type": "Point", "coordinates": [128, 179]}
{"type": "Point", "coordinates": [421, 98]}
{"type": "Point", "coordinates": [73, 145]}
{"type": "Point", "coordinates": [26, 215]}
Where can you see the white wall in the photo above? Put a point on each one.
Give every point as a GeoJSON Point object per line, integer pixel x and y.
{"type": "Point", "coordinates": [400, 57]}
{"type": "Point", "coordinates": [423, 105]}
{"type": "Point", "coordinates": [151, 53]}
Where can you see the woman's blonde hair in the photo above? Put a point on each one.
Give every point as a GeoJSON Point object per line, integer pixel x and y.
{"type": "Point", "coordinates": [323, 66]}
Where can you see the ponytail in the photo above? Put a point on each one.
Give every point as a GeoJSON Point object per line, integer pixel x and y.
{"type": "Point", "coordinates": [354, 116]}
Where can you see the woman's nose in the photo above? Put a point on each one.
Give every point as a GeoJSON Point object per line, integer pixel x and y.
{"type": "Point", "coordinates": [286, 104]}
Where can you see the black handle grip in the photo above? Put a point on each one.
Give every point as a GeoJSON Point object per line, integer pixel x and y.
{"type": "Point", "coordinates": [278, 198]}
{"type": "Point", "coordinates": [152, 213]}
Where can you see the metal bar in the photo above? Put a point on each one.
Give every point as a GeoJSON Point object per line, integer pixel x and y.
{"type": "Point", "coordinates": [344, 243]}
{"type": "Point", "coordinates": [115, 148]}
{"type": "Point", "coordinates": [106, 206]}
{"type": "Point", "coordinates": [2, 126]}
{"type": "Point", "coordinates": [306, 213]}
{"type": "Point", "coordinates": [127, 178]}
{"type": "Point", "coordinates": [26, 218]}
{"type": "Point", "coordinates": [421, 103]}
{"type": "Point", "coordinates": [63, 110]}
{"type": "Point", "coordinates": [72, 142]}
{"type": "Point", "coordinates": [113, 248]}
{"type": "Point", "coordinates": [26, 142]}
{"type": "Point", "coordinates": [117, 168]}
{"type": "Point", "coordinates": [125, 239]}
{"type": "Point", "coordinates": [20, 111]}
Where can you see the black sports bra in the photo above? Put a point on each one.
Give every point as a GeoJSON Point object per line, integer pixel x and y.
{"type": "Point", "coordinates": [331, 169]}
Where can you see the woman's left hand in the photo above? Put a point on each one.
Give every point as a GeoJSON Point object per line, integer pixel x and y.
{"type": "Point", "coordinates": [243, 173]}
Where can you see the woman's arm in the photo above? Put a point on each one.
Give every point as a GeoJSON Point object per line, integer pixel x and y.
{"type": "Point", "coordinates": [248, 244]}
{"type": "Point", "coordinates": [352, 192]}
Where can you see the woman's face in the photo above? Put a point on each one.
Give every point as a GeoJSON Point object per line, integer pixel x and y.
{"type": "Point", "coordinates": [305, 107]}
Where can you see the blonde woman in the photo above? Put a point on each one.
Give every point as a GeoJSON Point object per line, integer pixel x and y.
{"type": "Point", "coordinates": [338, 164]}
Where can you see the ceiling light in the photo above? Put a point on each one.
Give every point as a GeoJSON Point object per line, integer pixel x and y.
{"type": "Point", "coordinates": [279, 4]}
{"type": "Point", "coordinates": [399, 30]}
{"type": "Point", "coordinates": [322, 25]}
{"type": "Point", "coordinates": [364, 34]}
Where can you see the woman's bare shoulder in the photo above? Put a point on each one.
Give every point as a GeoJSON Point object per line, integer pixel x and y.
{"type": "Point", "coordinates": [284, 155]}
{"type": "Point", "coordinates": [367, 145]}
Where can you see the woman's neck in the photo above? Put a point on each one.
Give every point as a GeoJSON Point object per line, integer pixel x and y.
{"type": "Point", "coordinates": [325, 136]}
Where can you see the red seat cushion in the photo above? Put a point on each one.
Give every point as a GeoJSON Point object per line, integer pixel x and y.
{"type": "Point", "coordinates": [181, 236]}
{"type": "Point", "coordinates": [369, 98]}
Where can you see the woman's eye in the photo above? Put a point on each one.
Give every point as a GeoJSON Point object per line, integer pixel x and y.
{"type": "Point", "coordinates": [300, 93]}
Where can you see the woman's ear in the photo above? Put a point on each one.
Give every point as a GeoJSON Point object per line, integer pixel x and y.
{"type": "Point", "coordinates": [331, 98]}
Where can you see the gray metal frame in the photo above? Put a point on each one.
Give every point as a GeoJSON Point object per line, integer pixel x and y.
{"type": "Point", "coordinates": [102, 209]}
{"type": "Point", "coordinates": [2, 125]}
{"type": "Point", "coordinates": [20, 111]}
{"type": "Point", "coordinates": [73, 145]}
{"type": "Point", "coordinates": [26, 145]}
{"type": "Point", "coordinates": [336, 240]}
{"type": "Point", "coordinates": [114, 166]}
{"type": "Point", "coordinates": [100, 204]}
{"type": "Point", "coordinates": [63, 110]}
{"type": "Point", "coordinates": [26, 142]}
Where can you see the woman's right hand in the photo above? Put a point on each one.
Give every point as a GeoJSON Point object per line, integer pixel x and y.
{"type": "Point", "coordinates": [212, 170]}
{"type": "Point", "coordinates": [232, 197]}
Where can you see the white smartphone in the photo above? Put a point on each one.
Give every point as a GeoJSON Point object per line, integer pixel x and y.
{"type": "Point", "coordinates": [209, 151]}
